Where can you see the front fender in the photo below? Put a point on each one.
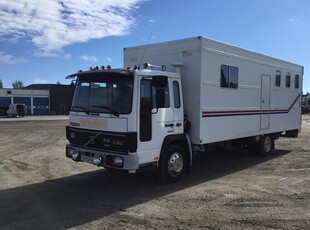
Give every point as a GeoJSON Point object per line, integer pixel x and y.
{"type": "Point", "coordinates": [183, 141]}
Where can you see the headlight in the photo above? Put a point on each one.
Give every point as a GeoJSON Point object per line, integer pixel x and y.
{"type": "Point", "coordinates": [75, 155]}
{"type": "Point", "coordinates": [70, 152]}
{"type": "Point", "coordinates": [97, 160]}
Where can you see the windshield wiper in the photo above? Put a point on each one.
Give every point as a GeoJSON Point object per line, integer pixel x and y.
{"type": "Point", "coordinates": [111, 110]}
{"type": "Point", "coordinates": [84, 109]}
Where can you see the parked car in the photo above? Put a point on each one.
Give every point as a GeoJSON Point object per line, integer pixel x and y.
{"type": "Point", "coordinates": [305, 108]}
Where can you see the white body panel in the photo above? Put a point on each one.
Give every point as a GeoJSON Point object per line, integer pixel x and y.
{"type": "Point", "coordinates": [256, 107]}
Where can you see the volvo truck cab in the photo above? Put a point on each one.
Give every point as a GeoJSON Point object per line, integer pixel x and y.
{"type": "Point", "coordinates": [127, 119]}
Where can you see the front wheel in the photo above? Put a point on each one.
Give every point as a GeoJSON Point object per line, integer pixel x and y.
{"type": "Point", "coordinates": [172, 164]}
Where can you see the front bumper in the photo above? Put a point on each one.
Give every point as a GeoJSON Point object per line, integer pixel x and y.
{"type": "Point", "coordinates": [104, 159]}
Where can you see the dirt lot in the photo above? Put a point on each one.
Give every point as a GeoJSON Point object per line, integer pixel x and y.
{"type": "Point", "coordinates": [41, 189]}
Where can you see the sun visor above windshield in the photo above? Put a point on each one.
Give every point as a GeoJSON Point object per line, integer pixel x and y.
{"type": "Point", "coordinates": [98, 72]}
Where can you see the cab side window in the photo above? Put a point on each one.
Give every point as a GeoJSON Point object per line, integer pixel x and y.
{"type": "Point", "coordinates": [161, 92]}
{"type": "Point", "coordinates": [176, 95]}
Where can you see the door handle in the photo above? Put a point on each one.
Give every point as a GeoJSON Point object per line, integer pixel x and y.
{"type": "Point", "coordinates": [169, 125]}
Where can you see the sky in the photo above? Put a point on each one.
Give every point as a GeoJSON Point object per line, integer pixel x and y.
{"type": "Point", "coordinates": [43, 41]}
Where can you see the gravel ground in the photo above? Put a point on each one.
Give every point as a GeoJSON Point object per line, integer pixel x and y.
{"type": "Point", "coordinates": [229, 189]}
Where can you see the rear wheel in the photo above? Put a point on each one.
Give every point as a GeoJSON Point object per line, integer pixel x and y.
{"type": "Point", "coordinates": [266, 145]}
{"type": "Point", "coordinates": [172, 164]}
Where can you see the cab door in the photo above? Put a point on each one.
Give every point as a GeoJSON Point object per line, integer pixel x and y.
{"type": "Point", "coordinates": [156, 116]}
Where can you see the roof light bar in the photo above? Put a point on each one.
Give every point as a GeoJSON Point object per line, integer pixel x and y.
{"type": "Point", "coordinates": [97, 68]}
{"type": "Point", "coordinates": [149, 66]}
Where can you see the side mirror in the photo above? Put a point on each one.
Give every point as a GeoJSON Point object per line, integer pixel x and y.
{"type": "Point", "coordinates": [73, 83]}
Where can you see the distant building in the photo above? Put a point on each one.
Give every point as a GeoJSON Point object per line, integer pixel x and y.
{"type": "Point", "coordinates": [60, 97]}
{"type": "Point", "coordinates": [40, 99]}
{"type": "Point", "coordinates": [37, 101]}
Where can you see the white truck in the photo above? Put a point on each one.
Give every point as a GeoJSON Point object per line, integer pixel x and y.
{"type": "Point", "coordinates": [17, 110]}
{"type": "Point", "coordinates": [194, 92]}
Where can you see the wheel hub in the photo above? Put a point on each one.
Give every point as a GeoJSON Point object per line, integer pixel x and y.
{"type": "Point", "coordinates": [175, 164]}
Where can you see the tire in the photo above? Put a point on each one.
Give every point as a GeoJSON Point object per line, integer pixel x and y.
{"type": "Point", "coordinates": [266, 145]}
{"type": "Point", "coordinates": [172, 164]}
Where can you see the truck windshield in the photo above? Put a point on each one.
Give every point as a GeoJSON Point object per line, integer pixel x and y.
{"type": "Point", "coordinates": [103, 93]}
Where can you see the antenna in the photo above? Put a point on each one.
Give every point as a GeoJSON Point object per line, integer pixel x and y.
{"type": "Point", "coordinates": [145, 50]}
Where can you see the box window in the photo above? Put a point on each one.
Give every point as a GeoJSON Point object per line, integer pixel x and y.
{"type": "Point", "coordinates": [229, 76]}
{"type": "Point", "coordinates": [278, 78]}
{"type": "Point", "coordinates": [288, 80]}
{"type": "Point", "coordinates": [296, 81]}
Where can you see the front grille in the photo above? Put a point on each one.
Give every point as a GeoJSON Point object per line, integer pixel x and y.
{"type": "Point", "coordinates": [98, 140]}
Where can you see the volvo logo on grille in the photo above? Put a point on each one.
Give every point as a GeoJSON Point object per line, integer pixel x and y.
{"type": "Point", "coordinates": [91, 139]}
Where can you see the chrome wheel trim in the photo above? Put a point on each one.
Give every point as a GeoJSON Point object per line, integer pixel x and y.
{"type": "Point", "coordinates": [175, 164]}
